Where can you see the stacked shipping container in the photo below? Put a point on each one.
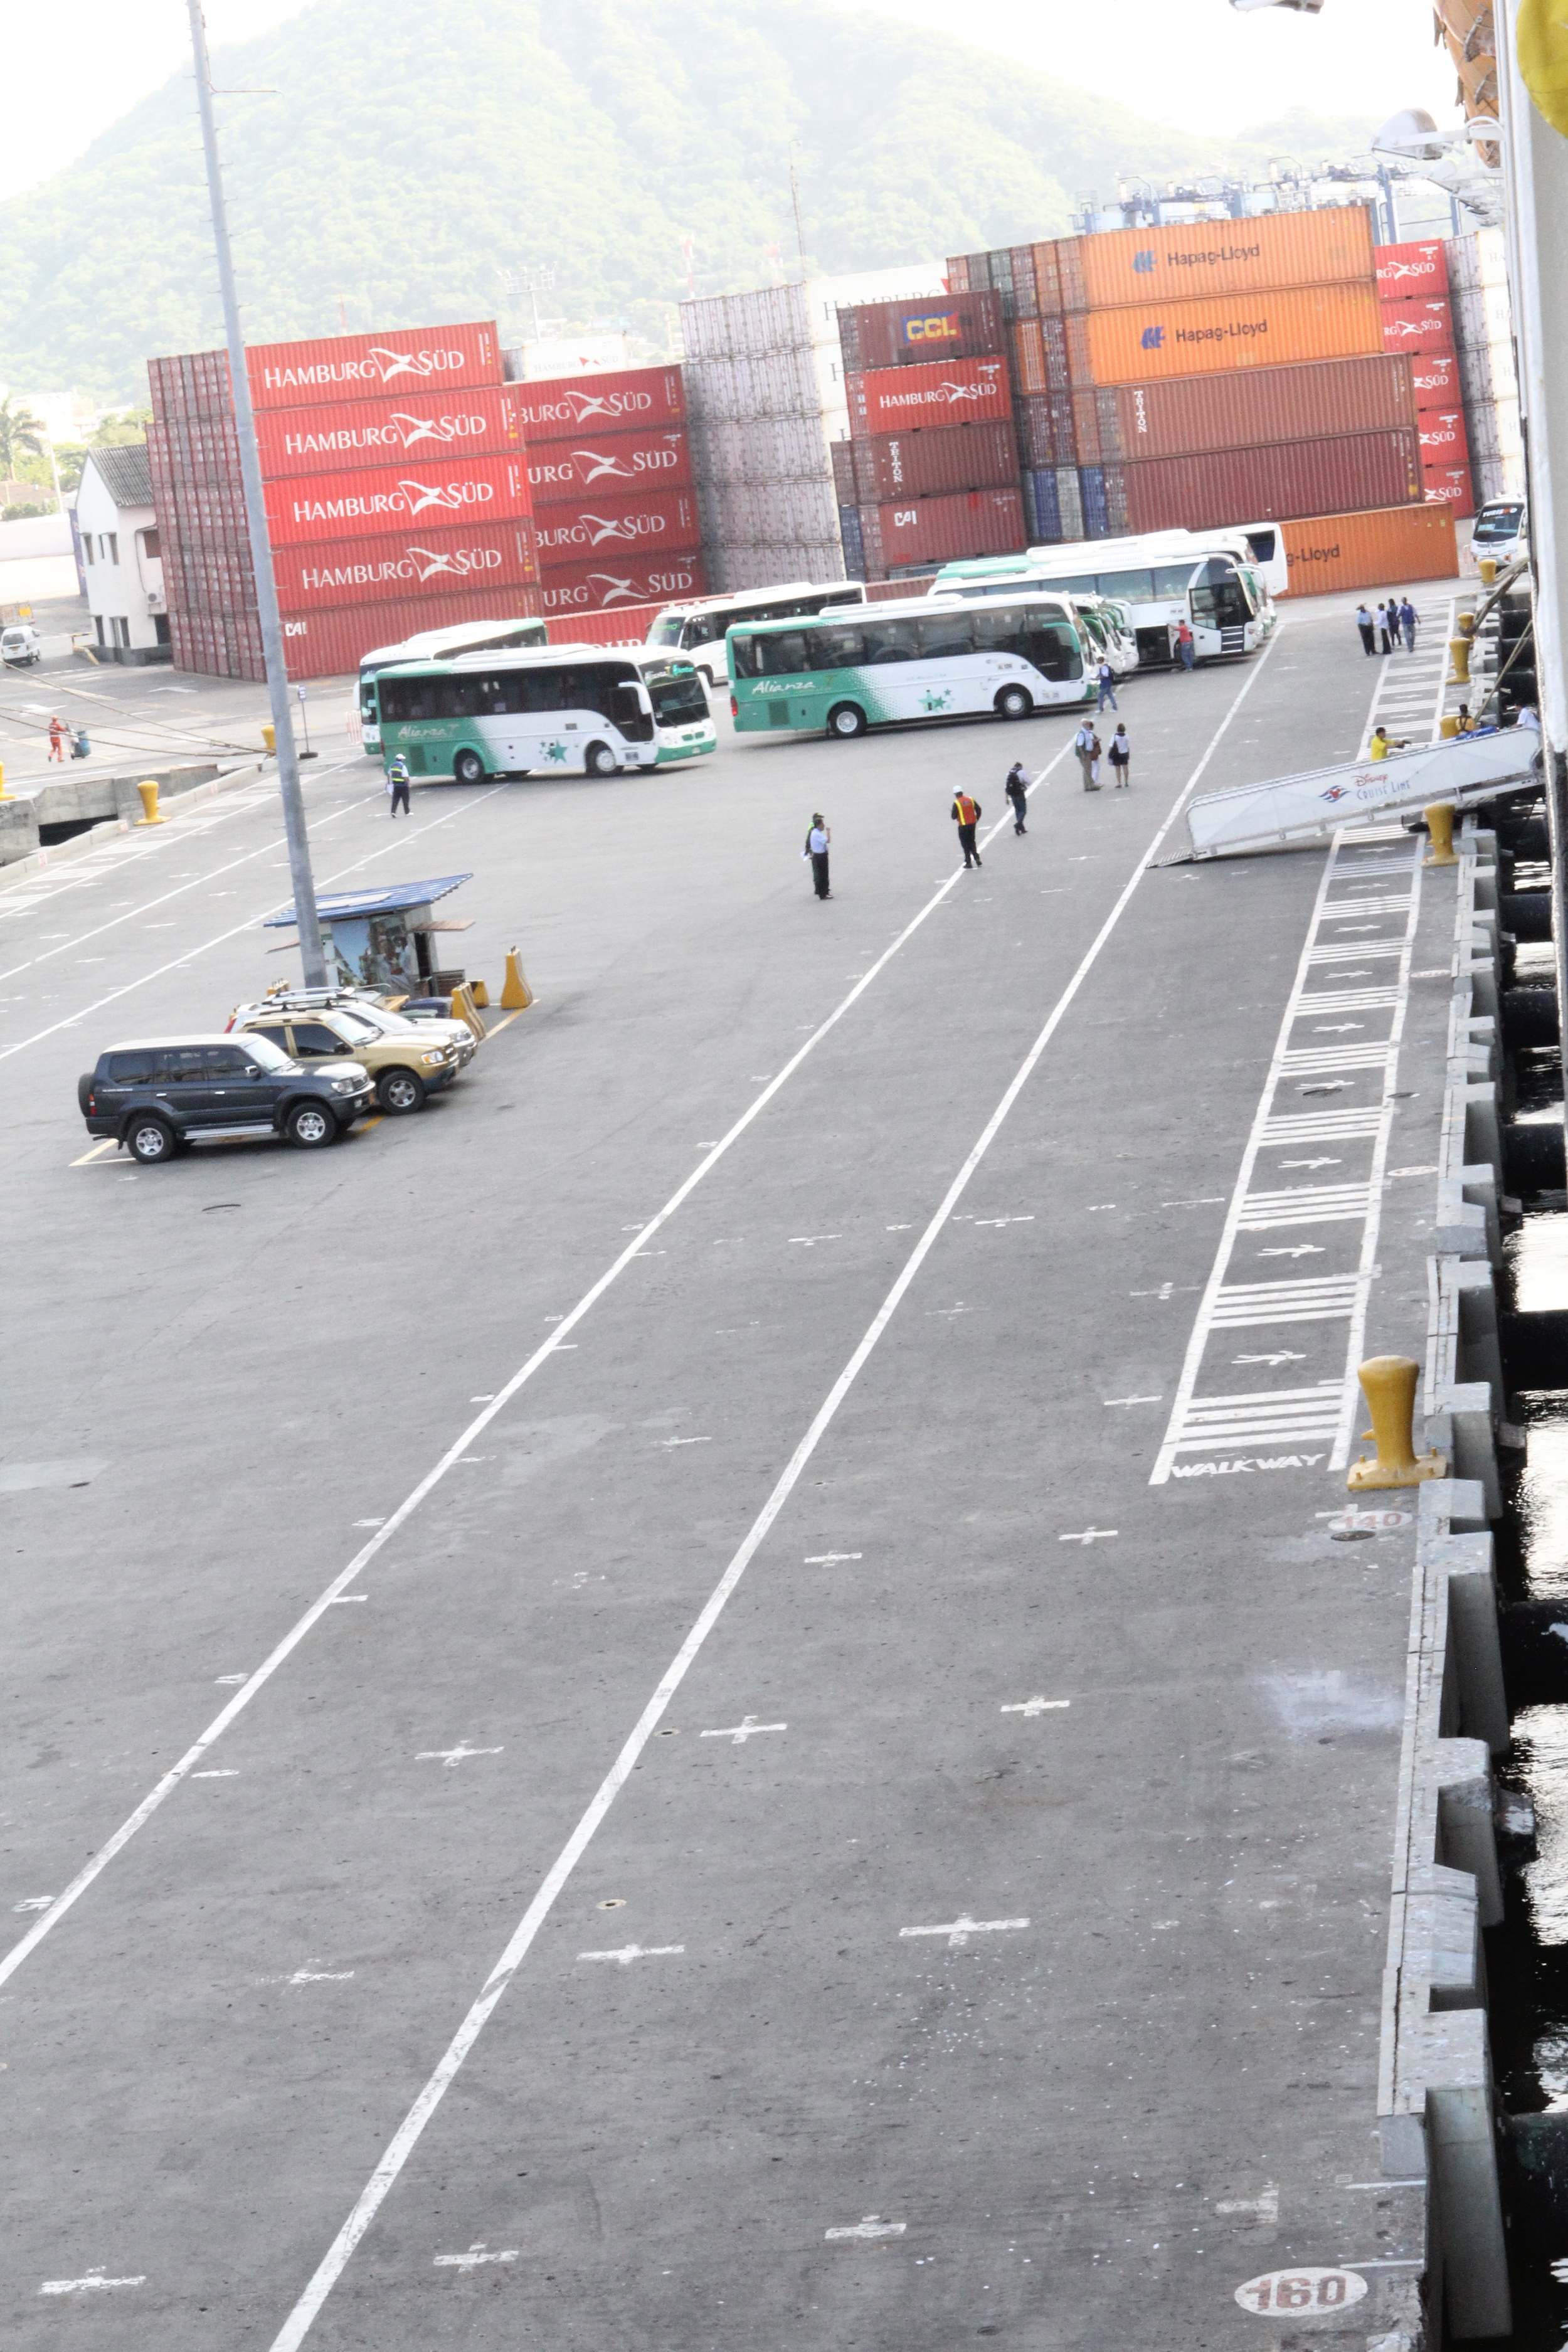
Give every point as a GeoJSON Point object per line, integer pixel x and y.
{"type": "Point", "coordinates": [609, 470]}
{"type": "Point", "coordinates": [1418, 321]}
{"type": "Point", "coordinates": [397, 492]}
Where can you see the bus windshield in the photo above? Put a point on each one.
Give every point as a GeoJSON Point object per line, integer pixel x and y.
{"type": "Point", "coordinates": [666, 630]}
{"type": "Point", "coordinates": [677, 693]}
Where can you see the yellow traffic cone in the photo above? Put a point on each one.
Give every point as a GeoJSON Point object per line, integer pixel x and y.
{"type": "Point", "coordinates": [150, 815]}
{"type": "Point", "coordinates": [1388, 1383]}
{"type": "Point", "coordinates": [479, 993]}
{"type": "Point", "coordinates": [1440, 826]}
{"type": "Point", "coordinates": [516, 995]}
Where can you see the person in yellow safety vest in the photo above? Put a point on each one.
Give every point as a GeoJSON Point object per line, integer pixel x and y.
{"type": "Point", "coordinates": [966, 816]}
{"type": "Point", "coordinates": [1381, 744]}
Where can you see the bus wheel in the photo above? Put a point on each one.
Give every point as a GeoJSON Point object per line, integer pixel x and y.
{"type": "Point", "coordinates": [600, 761]}
{"type": "Point", "coordinates": [846, 720]}
{"type": "Point", "coordinates": [468, 768]}
{"type": "Point", "coordinates": [1014, 702]}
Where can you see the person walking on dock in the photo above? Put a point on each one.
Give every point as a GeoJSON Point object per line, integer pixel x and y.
{"type": "Point", "coordinates": [1105, 677]}
{"type": "Point", "coordinates": [1017, 790]}
{"type": "Point", "coordinates": [397, 785]}
{"type": "Point", "coordinates": [1120, 758]}
{"type": "Point", "coordinates": [1407, 620]}
{"type": "Point", "coordinates": [817, 845]}
{"type": "Point", "coordinates": [57, 738]}
{"type": "Point", "coordinates": [1186, 647]}
{"type": "Point", "coordinates": [1385, 623]}
{"type": "Point", "coordinates": [1364, 623]}
{"type": "Point", "coordinates": [1084, 743]}
{"type": "Point", "coordinates": [966, 816]}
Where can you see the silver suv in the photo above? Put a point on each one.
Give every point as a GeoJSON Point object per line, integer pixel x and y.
{"type": "Point", "coordinates": [361, 1005]}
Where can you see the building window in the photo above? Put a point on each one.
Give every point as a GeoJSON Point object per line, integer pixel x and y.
{"type": "Point", "coordinates": [97, 624]}
{"type": "Point", "coordinates": [111, 541]}
{"type": "Point", "coordinates": [150, 541]}
{"type": "Point", "coordinates": [161, 624]}
{"type": "Point", "coordinates": [87, 545]}
{"type": "Point", "coordinates": [121, 632]}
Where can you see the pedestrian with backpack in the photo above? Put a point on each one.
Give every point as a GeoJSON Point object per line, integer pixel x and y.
{"type": "Point", "coordinates": [1086, 746]}
{"type": "Point", "coordinates": [1105, 679]}
{"type": "Point", "coordinates": [1120, 758]}
{"type": "Point", "coordinates": [1017, 790]}
{"type": "Point", "coordinates": [966, 816]}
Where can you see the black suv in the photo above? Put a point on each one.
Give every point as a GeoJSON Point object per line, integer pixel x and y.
{"type": "Point", "coordinates": [153, 1094]}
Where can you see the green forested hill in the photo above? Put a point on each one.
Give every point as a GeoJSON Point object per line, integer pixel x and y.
{"type": "Point", "coordinates": [415, 149]}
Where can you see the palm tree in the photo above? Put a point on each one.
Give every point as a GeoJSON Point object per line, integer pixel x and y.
{"type": "Point", "coordinates": [20, 435]}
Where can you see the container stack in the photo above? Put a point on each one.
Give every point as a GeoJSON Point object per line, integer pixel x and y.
{"type": "Point", "coordinates": [929, 473]}
{"type": "Point", "coordinates": [1418, 322]}
{"type": "Point", "coordinates": [609, 471]}
{"type": "Point", "coordinates": [765, 380]}
{"type": "Point", "coordinates": [396, 494]}
{"type": "Point", "coordinates": [1202, 375]}
{"type": "Point", "coordinates": [1483, 347]}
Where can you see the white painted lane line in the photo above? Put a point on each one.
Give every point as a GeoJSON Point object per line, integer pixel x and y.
{"type": "Point", "coordinates": [450, 1757]}
{"type": "Point", "coordinates": [94, 2281]}
{"type": "Point", "coordinates": [625, 1956]}
{"type": "Point", "coordinates": [830, 1558]}
{"type": "Point", "coordinates": [958, 1931]}
{"type": "Point", "coordinates": [873, 2226]}
{"type": "Point", "coordinates": [1035, 1705]}
{"type": "Point", "coordinates": [747, 1729]}
{"type": "Point", "coordinates": [477, 2253]}
{"type": "Point", "coordinates": [1087, 1536]}
{"type": "Point", "coordinates": [407, 2138]}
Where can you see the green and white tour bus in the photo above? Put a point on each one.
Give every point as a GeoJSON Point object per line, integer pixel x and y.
{"type": "Point", "coordinates": [558, 711]}
{"type": "Point", "coordinates": [698, 628]}
{"type": "Point", "coordinates": [438, 645]}
{"type": "Point", "coordinates": [1213, 580]}
{"type": "Point", "coordinates": [916, 657]}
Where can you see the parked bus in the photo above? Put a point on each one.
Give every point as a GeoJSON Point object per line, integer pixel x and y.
{"type": "Point", "coordinates": [438, 645]}
{"type": "Point", "coordinates": [1210, 578]}
{"type": "Point", "coordinates": [564, 711]}
{"type": "Point", "coordinates": [912, 658]}
{"type": "Point", "coordinates": [699, 627]}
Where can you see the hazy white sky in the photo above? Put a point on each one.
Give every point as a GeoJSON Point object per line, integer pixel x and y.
{"type": "Point", "coordinates": [1193, 63]}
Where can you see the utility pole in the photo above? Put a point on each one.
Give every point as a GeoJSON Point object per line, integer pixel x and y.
{"type": "Point", "coordinates": [311, 952]}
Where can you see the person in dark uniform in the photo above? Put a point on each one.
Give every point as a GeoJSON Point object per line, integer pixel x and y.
{"type": "Point", "coordinates": [817, 845]}
{"type": "Point", "coordinates": [397, 784]}
{"type": "Point", "coordinates": [966, 816]}
{"type": "Point", "coordinates": [1017, 790]}
{"type": "Point", "coordinates": [1363, 622]}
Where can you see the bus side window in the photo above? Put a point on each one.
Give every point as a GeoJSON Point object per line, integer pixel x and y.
{"type": "Point", "coordinates": [837, 647]}
{"type": "Point", "coordinates": [540, 689]}
{"type": "Point", "coordinates": [785, 656]}
{"type": "Point", "coordinates": [744, 657]}
{"type": "Point", "coordinates": [1054, 651]}
{"type": "Point", "coordinates": [998, 629]}
{"type": "Point", "coordinates": [890, 641]}
{"type": "Point", "coordinates": [945, 634]}
{"type": "Point", "coordinates": [1173, 579]}
{"type": "Point", "coordinates": [707, 624]}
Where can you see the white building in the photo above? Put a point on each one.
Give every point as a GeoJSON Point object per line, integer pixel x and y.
{"type": "Point", "coordinates": [121, 566]}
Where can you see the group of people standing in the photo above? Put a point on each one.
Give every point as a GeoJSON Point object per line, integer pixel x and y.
{"type": "Point", "coordinates": [1394, 621]}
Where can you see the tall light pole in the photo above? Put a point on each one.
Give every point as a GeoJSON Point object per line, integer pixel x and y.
{"type": "Point", "coordinates": [311, 952]}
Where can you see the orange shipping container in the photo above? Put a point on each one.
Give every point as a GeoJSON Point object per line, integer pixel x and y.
{"type": "Point", "coordinates": [1333, 553]}
{"type": "Point", "coordinates": [1199, 259]}
{"type": "Point", "coordinates": [1304, 323]}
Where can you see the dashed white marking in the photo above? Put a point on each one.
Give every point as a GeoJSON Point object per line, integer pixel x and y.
{"type": "Point", "coordinates": [34, 1903]}
{"type": "Point", "coordinates": [1087, 1536]}
{"type": "Point", "coordinates": [226, 1772]}
{"type": "Point", "coordinates": [477, 2254]}
{"type": "Point", "coordinates": [630, 1952]}
{"type": "Point", "coordinates": [809, 1241]}
{"type": "Point", "coordinates": [668, 1442]}
{"type": "Point", "coordinates": [1034, 1706]}
{"type": "Point", "coordinates": [450, 1757]}
{"type": "Point", "coordinates": [873, 2226]}
{"type": "Point", "coordinates": [958, 1931]}
{"type": "Point", "coordinates": [94, 2281]}
{"type": "Point", "coordinates": [747, 1729]}
{"type": "Point", "coordinates": [1137, 1399]}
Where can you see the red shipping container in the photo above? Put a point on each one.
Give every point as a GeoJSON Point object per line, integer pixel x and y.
{"type": "Point", "coordinates": [332, 643]}
{"type": "Point", "coordinates": [943, 530]}
{"type": "Point", "coordinates": [644, 527]}
{"type": "Point", "coordinates": [1403, 271]}
{"type": "Point", "coordinates": [1448, 485]}
{"type": "Point", "coordinates": [482, 421]}
{"type": "Point", "coordinates": [626, 625]}
{"type": "Point", "coordinates": [916, 465]}
{"type": "Point", "coordinates": [438, 494]}
{"type": "Point", "coordinates": [1443, 440]}
{"type": "Point", "coordinates": [1220, 488]}
{"type": "Point", "coordinates": [650, 459]}
{"type": "Point", "coordinates": [890, 400]}
{"type": "Point", "coordinates": [605, 586]}
{"type": "Point", "coordinates": [937, 327]}
{"type": "Point", "coordinates": [1436, 376]}
{"type": "Point", "coordinates": [1321, 399]}
{"type": "Point", "coordinates": [363, 367]}
{"type": "Point", "coordinates": [562, 406]}
{"type": "Point", "coordinates": [1419, 326]}
{"type": "Point", "coordinates": [392, 570]}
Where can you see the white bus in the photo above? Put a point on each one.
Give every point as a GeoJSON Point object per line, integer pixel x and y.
{"type": "Point", "coordinates": [438, 645]}
{"type": "Point", "coordinates": [699, 627]}
{"type": "Point", "coordinates": [1212, 580]}
{"type": "Point", "coordinates": [559, 710]}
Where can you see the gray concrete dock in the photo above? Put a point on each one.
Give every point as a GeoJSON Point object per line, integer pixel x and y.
{"type": "Point", "coordinates": [800, 1832]}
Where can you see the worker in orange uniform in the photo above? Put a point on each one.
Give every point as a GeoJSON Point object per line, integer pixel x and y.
{"type": "Point", "coordinates": [966, 816]}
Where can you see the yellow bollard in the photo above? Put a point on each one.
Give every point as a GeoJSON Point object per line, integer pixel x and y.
{"type": "Point", "coordinates": [269, 737]}
{"type": "Point", "coordinates": [464, 1009]}
{"type": "Point", "coordinates": [1466, 624]}
{"type": "Point", "coordinates": [5, 795]}
{"type": "Point", "coordinates": [1459, 654]}
{"type": "Point", "coordinates": [516, 995]}
{"type": "Point", "coordinates": [1388, 1383]}
{"type": "Point", "coordinates": [150, 815]}
{"type": "Point", "coordinates": [1489, 570]}
{"type": "Point", "coordinates": [1448, 726]}
{"type": "Point", "coordinates": [1440, 826]}
{"type": "Point", "coordinates": [479, 993]}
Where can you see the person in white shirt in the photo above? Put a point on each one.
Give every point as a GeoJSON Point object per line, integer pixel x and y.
{"type": "Point", "coordinates": [817, 841]}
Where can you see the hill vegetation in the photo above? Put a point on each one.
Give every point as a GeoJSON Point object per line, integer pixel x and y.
{"type": "Point", "coordinates": [406, 154]}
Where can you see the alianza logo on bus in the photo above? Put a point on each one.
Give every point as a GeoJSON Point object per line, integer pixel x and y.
{"type": "Point", "coordinates": [419, 563]}
{"type": "Point", "coordinates": [594, 531]}
{"type": "Point", "coordinates": [408, 499]}
{"type": "Point", "coordinates": [378, 366]}
{"type": "Point", "coordinates": [399, 432]}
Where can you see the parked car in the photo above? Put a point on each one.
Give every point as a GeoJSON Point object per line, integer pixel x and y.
{"type": "Point", "coordinates": [20, 646]}
{"type": "Point", "coordinates": [406, 1069]}
{"type": "Point", "coordinates": [361, 1004]}
{"type": "Point", "coordinates": [153, 1094]}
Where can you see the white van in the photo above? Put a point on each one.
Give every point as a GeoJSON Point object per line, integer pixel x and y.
{"type": "Point", "coordinates": [20, 645]}
{"type": "Point", "coordinates": [1502, 529]}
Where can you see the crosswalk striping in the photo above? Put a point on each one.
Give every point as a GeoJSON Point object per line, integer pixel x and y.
{"type": "Point", "coordinates": [1304, 1204]}
{"type": "Point", "coordinates": [1268, 1416]}
{"type": "Point", "coordinates": [1314, 1299]}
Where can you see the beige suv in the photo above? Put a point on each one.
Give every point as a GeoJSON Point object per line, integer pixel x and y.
{"type": "Point", "coordinates": [406, 1066]}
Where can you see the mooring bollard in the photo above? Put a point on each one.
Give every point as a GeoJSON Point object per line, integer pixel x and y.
{"type": "Point", "coordinates": [1448, 726]}
{"type": "Point", "coordinates": [1388, 1383]}
{"type": "Point", "coordinates": [1459, 654]}
{"type": "Point", "coordinates": [150, 815]}
{"type": "Point", "coordinates": [270, 738]}
{"type": "Point", "coordinates": [1440, 826]}
{"type": "Point", "coordinates": [1489, 570]}
{"type": "Point", "coordinates": [516, 995]}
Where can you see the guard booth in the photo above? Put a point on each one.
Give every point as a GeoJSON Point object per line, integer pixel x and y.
{"type": "Point", "coordinates": [390, 940]}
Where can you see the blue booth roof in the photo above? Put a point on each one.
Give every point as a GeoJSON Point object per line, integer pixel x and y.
{"type": "Point", "coordinates": [397, 898]}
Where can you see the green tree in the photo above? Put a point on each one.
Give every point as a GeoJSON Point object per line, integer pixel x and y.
{"type": "Point", "coordinates": [21, 436]}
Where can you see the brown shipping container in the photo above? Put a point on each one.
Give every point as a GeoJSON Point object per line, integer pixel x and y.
{"type": "Point", "coordinates": [426, 359]}
{"type": "Point", "coordinates": [1244, 410]}
{"type": "Point", "coordinates": [1406, 270]}
{"type": "Point", "coordinates": [1158, 341]}
{"type": "Point", "coordinates": [940, 327]}
{"type": "Point", "coordinates": [561, 406]}
{"type": "Point", "coordinates": [943, 530]}
{"type": "Point", "coordinates": [642, 527]}
{"type": "Point", "coordinates": [890, 400]}
{"type": "Point", "coordinates": [605, 586]}
{"type": "Point", "coordinates": [844, 477]}
{"type": "Point", "coordinates": [1207, 259]}
{"type": "Point", "coordinates": [1448, 485]}
{"type": "Point", "coordinates": [1265, 485]}
{"type": "Point", "coordinates": [915, 465]}
{"type": "Point", "coordinates": [1435, 377]}
{"type": "Point", "coordinates": [409, 564]}
{"type": "Point", "coordinates": [1418, 325]}
{"type": "Point", "coordinates": [648, 457]}
{"type": "Point", "coordinates": [482, 420]}
{"type": "Point", "coordinates": [331, 644]}
{"type": "Point", "coordinates": [626, 625]}
{"type": "Point", "coordinates": [1329, 553]}
{"type": "Point", "coordinates": [436, 495]}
